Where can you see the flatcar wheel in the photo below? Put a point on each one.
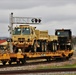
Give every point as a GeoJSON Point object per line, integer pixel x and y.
{"type": "Point", "coordinates": [4, 62]}
{"type": "Point", "coordinates": [67, 58]}
{"type": "Point", "coordinates": [10, 62]}
{"type": "Point", "coordinates": [48, 59]}
{"type": "Point", "coordinates": [23, 61]}
{"type": "Point", "coordinates": [18, 62]}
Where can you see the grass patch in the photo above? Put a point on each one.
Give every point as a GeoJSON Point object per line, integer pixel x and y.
{"type": "Point", "coordinates": [65, 66]}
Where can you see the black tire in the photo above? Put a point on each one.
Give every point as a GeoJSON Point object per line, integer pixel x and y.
{"type": "Point", "coordinates": [42, 46]}
{"type": "Point", "coordinates": [55, 45]}
{"type": "Point", "coordinates": [34, 49]}
{"type": "Point", "coordinates": [45, 46]}
{"type": "Point", "coordinates": [15, 49]}
{"type": "Point", "coordinates": [39, 46]}
{"type": "Point", "coordinates": [51, 46]}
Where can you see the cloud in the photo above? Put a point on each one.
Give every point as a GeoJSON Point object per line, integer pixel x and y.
{"type": "Point", "coordinates": [23, 4]}
{"type": "Point", "coordinates": [51, 26]}
{"type": "Point", "coordinates": [67, 12]}
{"type": "Point", "coordinates": [54, 13]}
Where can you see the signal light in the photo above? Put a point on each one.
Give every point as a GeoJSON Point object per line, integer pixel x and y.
{"type": "Point", "coordinates": [39, 20]}
{"type": "Point", "coordinates": [32, 20]}
{"type": "Point", "coordinates": [35, 20]}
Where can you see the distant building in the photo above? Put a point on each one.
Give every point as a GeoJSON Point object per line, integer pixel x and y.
{"type": "Point", "coordinates": [3, 42]}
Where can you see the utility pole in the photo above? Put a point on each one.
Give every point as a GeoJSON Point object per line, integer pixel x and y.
{"type": "Point", "coordinates": [11, 32]}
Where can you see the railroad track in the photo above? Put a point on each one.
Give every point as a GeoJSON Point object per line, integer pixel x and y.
{"type": "Point", "coordinates": [27, 68]}
{"type": "Point", "coordinates": [32, 63]}
{"type": "Point", "coordinates": [38, 71]}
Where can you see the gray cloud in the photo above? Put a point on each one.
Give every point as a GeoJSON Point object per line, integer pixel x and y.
{"type": "Point", "coordinates": [23, 4]}
{"type": "Point", "coordinates": [67, 12]}
{"type": "Point", "coordinates": [54, 13]}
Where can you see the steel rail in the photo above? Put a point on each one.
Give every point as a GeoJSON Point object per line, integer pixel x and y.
{"type": "Point", "coordinates": [38, 71]}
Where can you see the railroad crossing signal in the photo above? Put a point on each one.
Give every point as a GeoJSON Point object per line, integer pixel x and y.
{"type": "Point", "coordinates": [24, 20]}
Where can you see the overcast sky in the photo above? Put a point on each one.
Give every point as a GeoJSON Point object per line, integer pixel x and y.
{"type": "Point", "coordinates": [55, 14]}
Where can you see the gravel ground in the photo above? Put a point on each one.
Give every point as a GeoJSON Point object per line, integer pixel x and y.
{"type": "Point", "coordinates": [56, 73]}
